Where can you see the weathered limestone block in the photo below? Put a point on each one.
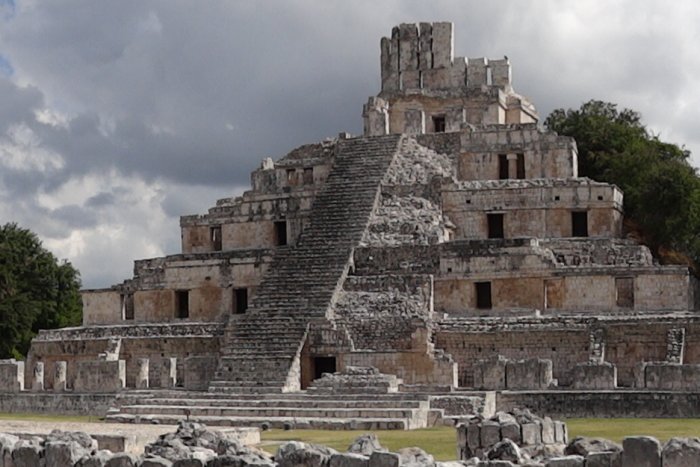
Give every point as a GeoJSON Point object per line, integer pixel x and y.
{"type": "Point", "coordinates": [415, 457]}
{"type": "Point", "coordinates": [548, 431]}
{"type": "Point", "coordinates": [142, 375]}
{"type": "Point", "coordinates": [348, 459]}
{"type": "Point", "coordinates": [440, 78]}
{"type": "Point", "coordinates": [641, 451]}
{"type": "Point", "coordinates": [443, 44]}
{"type": "Point", "coordinates": [534, 373]}
{"type": "Point", "coordinates": [7, 444]}
{"type": "Point", "coordinates": [415, 122]}
{"type": "Point", "coordinates": [490, 433]}
{"type": "Point", "coordinates": [410, 80]}
{"type": "Point", "coordinates": [560, 434]}
{"type": "Point", "coordinates": [408, 46]}
{"type": "Point", "coordinates": [11, 375]}
{"type": "Point", "coordinates": [476, 73]}
{"type": "Point", "coordinates": [604, 459]}
{"type": "Point", "coordinates": [384, 459]}
{"type": "Point", "coordinates": [681, 452]}
{"type": "Point", "coordinates": [162, 372]}
{"type": "Point", "coordinates": [500, 73]}
{"type": "Point", "coordinates": [365, 444]}
{"type": "Point", "coordinates": [531, 433]}
{"type": "Point", "coordinates": [490, 373]}
{"type": "Point", "coordinates": [565, 461]}
{"type": "Point", "coordinates": [59, 376]}
{"type": "Point", "coordinates": [511, 431]}
{"type": "Point", "coordinates": [27, 453]}
{"type": "Point", "coordinates": [425, 43]}
{"type": "Point", "coordinates": [296, 454]}
{"type": "Point", "coordinates": [155, 461]}
{"type": "Point", "coordinates": [38, 377]}
{"type": "Point", "coordinates": [100, 376]}
{"type": "Point", "coordinates": [458, 73]}
{"type": "Point", "coordinates": [199, 370]}
{"type": "Point", "coordinates": [505, 450]}
{"type": "Point", "coordinates": [454, 118]}
{"type": "Point", "coordinates": [122, 459]}
{"type": "Point", "coordinates": [594, 376]}
{"type": "Point", "coordinates": [63, 453]}
{"type": "Point", "coordinates": [375, 114]}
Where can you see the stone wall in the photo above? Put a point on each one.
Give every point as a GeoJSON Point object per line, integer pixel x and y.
{"type": "Point", "coordinates": [499, 373]}
{"type": "Point", "coordinates": [619, 403]}
{"type": "Point", "coordinates": [100, 376]}
{"type": "Point", "coordinates": [533, 208]}
{"type": "Point", "coordinates": [154, 342]}
{"type": "Point", "coordinates": [12, 375]}
{"type": "Point", "coordinates": [413, 367]}
{"type": "Point", "coordinates": [529, 432]}
{"type": "Point", "coordinates": [669, 376]}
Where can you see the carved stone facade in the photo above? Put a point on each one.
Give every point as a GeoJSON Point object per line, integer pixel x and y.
{"type": "Point", "coordinates": [453, 231]}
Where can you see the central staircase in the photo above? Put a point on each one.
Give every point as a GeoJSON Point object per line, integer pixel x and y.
{"type": "Point", "coordinates": [260, 350]}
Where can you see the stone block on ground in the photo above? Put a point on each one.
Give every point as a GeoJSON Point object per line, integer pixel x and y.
{"type": "Point", "coordinates": [384, 459]}
{"type": "Point", "coordinates": [348, 459]}
{"type": "Point", "coordinates": [566, 461]}
{"type": "Point", "coordinates": [641, 451]}
{"type": "Point", "coordinates": [583, 446]}
{"type": "Point", "coordinates": [681, 452]}
{"type": "Point", "coordinates": [11, 375]}
{"type": "Point", "coordinates": [604, 459]}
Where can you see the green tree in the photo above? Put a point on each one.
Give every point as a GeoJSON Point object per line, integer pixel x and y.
{"type": "Point", "coordinates": [662, 190]}
{"type": "Point", "coordinates": [36, 290]}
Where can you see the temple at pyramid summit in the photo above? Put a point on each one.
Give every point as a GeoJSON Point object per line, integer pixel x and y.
{"type": "Point", "coordinates": [394, 279]}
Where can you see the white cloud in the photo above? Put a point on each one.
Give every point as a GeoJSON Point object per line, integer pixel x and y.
{"type": "Point", "coordinates": [119, 116]}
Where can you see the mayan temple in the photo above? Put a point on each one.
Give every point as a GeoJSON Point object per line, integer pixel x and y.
{"type": "Point", "coordinates": [394, 279]}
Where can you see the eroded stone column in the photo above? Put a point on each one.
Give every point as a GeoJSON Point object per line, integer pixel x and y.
{"type": "Point", "coordinates": [168, 374]}
{"type": "Point", "coordinates": [142, 375]}
{"type": "Point", "coordinates": [59, 376]}
{"type": "Point", "coordinates": [38, 377]}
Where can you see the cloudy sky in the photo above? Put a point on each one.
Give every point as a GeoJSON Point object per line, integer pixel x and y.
{"type": "Point", "coordinates": [117, 117]}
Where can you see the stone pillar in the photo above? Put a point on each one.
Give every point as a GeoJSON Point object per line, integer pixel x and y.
{"type": "Point", "coordinates": [168, 374]}
{"type": "Point", "coordinates": [142, 375]}
{"type": "Point", "coordinates": [59, 376]}
{"type": "Point", "coordinates": [38, 378]}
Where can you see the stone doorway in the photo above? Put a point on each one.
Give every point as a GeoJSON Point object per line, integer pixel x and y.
{"type": "Point", "coordinates": [323, 365]}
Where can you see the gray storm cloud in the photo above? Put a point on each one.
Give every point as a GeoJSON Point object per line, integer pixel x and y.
{"type": "Point", "coordinates": [118, 116]}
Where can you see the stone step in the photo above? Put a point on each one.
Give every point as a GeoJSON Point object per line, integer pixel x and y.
{"type": "Point", "coordinates": [272, 422]}
{"type": "Point", "coordinates": [265, 412]}
{"type": "Point", "coordinates": [339, 402]}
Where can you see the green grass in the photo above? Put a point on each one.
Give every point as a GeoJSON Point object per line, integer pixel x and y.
{"type": "Point", "coordinates": [441, 442]}
{"type": "Point", "coordinates": [49, 418]}
{"type": "Point", "coordinates": [617, 428]}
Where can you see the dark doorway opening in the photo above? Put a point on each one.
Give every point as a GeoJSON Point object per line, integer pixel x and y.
{"type": "Point", "coordinates": [579, 224]}
{"type": "Point", "coordinates": [495, 225]}
{"type": "Point", "coordinates": [439, 123]}
{"type": "Point", "coordinates": [483, 295]}
{"type": "Point", "coordinates": [182, 303]}
{"type": "Point", "coordinates": [280, 233]}
{"type": "Point", "coordinates": [323, 365]}
{"type": "Point", "coordinates": [215, 237]}
{"type": "Point", "coordinates": [520, 166]}
{"type": "Point", "coordinates": [503, 166]}
{"type": "Point", "coordinates": [240, 301]}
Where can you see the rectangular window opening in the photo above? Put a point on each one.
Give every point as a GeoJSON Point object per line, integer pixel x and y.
{"type": "Point", "coordinates": [308, 176]}
{"type": "Point", "coordinates": [215, 237]}
{"type": "Point", "coordinates": [439, 123]}
{"type": "Point", "coordinates": [503, 167]}
{"type": "Point", "coordinates": [240, 301]}
{"type": "Point", "coordinates": [483, 295]}
{"type": "Point", "coordinates": [624, 289]}
{"type": "Point", "coordinates": [127, 302]}
{"type": "Point", "coordinates": [495, 225]}
{"type": "Point", "coordinates": [579, 224]}
{"type": "Point", "coordinates": [280, 233]}
{"type": "Point", "coordinates": [520, 166]}
{"type": "Point", "coordinates": [182, 304]}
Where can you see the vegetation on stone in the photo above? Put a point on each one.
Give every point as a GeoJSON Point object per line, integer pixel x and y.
{"type": "Point", "coordinates": [662, 189]}
{"type": "Point", "coordinates": [37, 291]}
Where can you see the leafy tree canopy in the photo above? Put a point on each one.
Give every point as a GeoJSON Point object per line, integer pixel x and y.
{"type": "Point", "coordinates": [36, 290]}
{"type": "Point", "coordinates": [662, 190]}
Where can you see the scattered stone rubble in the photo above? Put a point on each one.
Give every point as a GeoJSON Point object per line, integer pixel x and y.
{"type": "Point", "coordinates": [356, 379]}
{"type": "Point", "coordinates": [510, 442]}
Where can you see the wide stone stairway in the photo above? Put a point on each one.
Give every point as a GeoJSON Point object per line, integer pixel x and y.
{"type": "Point", "coordinates": [259, 351]}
